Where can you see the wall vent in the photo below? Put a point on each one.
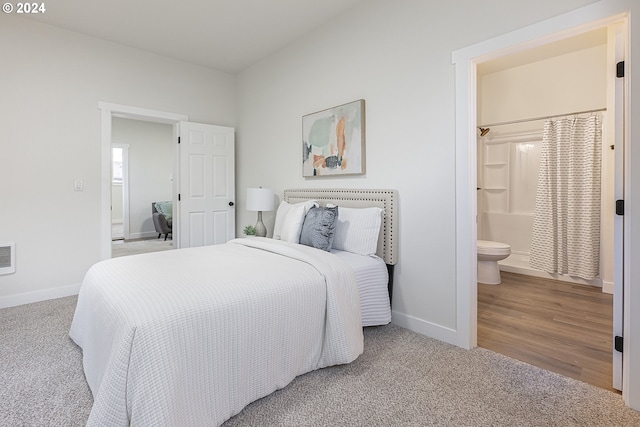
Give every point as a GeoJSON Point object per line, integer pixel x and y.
{"type": "Point", "coordinates": [7, 258]}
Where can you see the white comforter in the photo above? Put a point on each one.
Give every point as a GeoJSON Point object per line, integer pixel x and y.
{"type": "Point", "coordinates": [191, 336]}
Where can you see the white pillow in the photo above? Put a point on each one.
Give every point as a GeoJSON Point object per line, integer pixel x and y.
{"type": "Point", "coordinates": [282, 212]}
{"type": "Point", "coordinates": [357, 230]}
{"type": "Point", "coordinates": [292, 225]}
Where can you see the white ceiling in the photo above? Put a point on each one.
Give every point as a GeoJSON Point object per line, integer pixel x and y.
{"type": "Point", "coordinates": [230, 35]}
{"type": "Point", "coordinates": [227, 35]}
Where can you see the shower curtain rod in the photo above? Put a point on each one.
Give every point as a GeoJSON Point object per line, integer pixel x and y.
{"type": "Point", "coordinates": [541, 118]}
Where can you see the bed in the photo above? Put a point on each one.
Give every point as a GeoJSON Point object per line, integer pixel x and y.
{"type": "Point", "coordinates": [191, 336]}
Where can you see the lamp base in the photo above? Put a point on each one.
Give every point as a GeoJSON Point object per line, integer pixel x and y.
{"type": "Point", "coordinates": [261, 230]}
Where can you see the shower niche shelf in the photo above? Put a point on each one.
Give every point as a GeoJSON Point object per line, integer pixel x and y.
{"type": "Point", "coordinates": [494, 178]}
{"type": "Point", "coordinates": [495, 198]}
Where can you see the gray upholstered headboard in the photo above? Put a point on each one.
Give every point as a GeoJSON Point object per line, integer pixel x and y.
{"type": "Point", "coordinates": [353, 198]}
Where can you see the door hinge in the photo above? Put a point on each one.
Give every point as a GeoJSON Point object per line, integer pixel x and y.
{"type": "Point", "coordinates": [178, 197]}
{"type": "Point", "coordinates": [178, 140]}
{"type": "Point", "coordinates": [620, 207]}
{"type": "Point", "coordinates": [618, 344]}
{"type": "Point", "coordinates": [620, 69]}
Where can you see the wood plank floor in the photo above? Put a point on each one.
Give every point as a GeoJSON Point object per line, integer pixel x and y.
{"type": "Point", "coordinates": [558, 326]}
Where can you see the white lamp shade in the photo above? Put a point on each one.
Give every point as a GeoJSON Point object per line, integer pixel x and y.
{"type": "Point", "coordinates": [259, 199]}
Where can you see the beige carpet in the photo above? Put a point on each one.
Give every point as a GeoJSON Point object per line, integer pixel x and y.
{"type": "Point", "coordinates": [132, 247]}
{"type": "Point", "coordinates": [402, 379]}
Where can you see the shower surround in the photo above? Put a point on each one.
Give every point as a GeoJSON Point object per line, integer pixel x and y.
{"type": "Point", "coordinates": [508, 167]}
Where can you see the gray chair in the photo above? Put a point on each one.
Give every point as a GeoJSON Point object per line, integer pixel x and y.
{"type": "Point", "coordinates": [161, 222]}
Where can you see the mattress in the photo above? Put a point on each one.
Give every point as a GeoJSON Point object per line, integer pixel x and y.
{"type": "Point", "coordinates": [372, 278]}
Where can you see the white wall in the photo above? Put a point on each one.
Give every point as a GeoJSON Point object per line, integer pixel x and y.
{"type": "Point", "coordinates": [396, 56]}
{"type": "Point", "coordinates": [151, 162]}
{"type": "Point", "coordinates": [52, 81]}
{"type": "Point", "coordinates": [576, 81]}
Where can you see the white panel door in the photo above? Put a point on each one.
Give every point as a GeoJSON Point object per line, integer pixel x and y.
{"type": "Point", "coordinates": [206, 193]}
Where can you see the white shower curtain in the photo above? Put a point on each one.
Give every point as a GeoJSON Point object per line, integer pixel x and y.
{"type": "Point", "coordinates": [566, 224]}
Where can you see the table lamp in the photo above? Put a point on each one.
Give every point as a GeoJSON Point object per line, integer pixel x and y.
{"type": "Point", "coordinates": [260, 199]}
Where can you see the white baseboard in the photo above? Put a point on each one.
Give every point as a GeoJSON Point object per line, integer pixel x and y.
{"type": "Point", "coordinates": [423, 327]}
{"type": "Point", "coordinates": [607, 287]}
{"type": "Point", "coordinates": [37, 296]}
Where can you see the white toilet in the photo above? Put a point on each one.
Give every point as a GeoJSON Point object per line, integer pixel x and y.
{"type": "Point", "coordinates": [489, 253]}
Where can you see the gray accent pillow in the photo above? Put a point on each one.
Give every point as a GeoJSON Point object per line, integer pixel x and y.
{"type": "Point", "coordinates": [319, 227]}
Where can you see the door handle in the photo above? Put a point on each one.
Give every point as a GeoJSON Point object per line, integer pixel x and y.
{"type": "Point", "coordinates": [230, 203]}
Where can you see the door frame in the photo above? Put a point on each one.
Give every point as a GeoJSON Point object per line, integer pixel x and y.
{"type": "Point", "coordinates": [620, 104]}
{"type": "Point", "coordinates": [465, 60]}
{"type": "Point", "coordinates": [108, 111]}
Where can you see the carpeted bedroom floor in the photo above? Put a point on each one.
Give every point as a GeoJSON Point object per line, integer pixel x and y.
{"type": "Point", "coordinates": [139, 246]}
{"type": "Point", "coordinates": [402, 379]}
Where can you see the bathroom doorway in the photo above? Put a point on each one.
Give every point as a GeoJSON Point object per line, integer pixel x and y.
{"type": "Point", "coordinates": [586, 18]}
{"type": "Point", "coordinates": [516, 94]}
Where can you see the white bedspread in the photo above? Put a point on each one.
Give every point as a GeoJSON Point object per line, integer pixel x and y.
{"type": "Point", "coordinates": [372, 278]}
{"type": "Point", "coordinates": [191, 336]}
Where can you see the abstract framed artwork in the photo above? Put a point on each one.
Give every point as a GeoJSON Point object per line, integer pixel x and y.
{"type": "Point", "coordinates": [333, 141]}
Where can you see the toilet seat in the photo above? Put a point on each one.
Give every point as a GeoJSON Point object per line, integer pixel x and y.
{"type": "Point", "coordinates": [486, 247]}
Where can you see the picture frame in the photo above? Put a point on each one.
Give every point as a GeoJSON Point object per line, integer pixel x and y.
{"type": "Point", "coordinates": [333, 141]}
